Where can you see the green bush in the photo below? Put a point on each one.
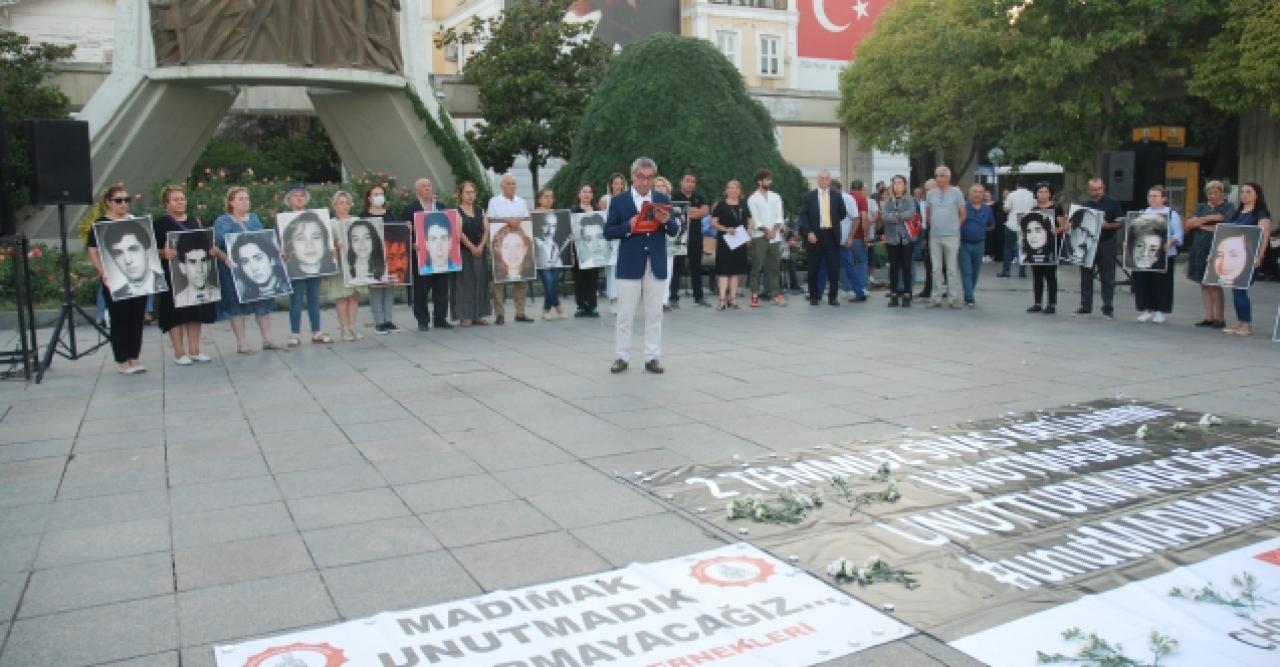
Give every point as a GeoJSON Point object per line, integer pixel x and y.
{"type": "Point", "coordinates": [46, 277]}
{"type": "Point", "coordinates": [681, 102]}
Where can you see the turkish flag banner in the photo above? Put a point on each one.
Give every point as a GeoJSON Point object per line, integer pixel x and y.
{"type": "Point", "coordinates": [832, 29]}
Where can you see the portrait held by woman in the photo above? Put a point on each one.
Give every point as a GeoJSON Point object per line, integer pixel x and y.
{"type": "Point", "coordinates": [192, 271]}
{"type": "Point", "coordinates": [512, 252]}
{"type": "Point", "coordinates": [127, 310]}
{"type": "Point", "coordinates": [239, 219]}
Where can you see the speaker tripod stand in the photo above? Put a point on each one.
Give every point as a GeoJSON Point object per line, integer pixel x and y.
{"type": "Point", "coordinates": [67, 348]}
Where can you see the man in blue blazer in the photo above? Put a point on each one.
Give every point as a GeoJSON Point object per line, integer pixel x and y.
{"type": "Point", "coordinates": [642, 264]}
{"type": "Point", "coordinates": [820, 214]}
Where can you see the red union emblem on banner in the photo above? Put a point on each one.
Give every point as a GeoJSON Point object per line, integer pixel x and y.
{"type": "Point", "coordinates": [832, 29]}
{"type": "Point", "coordinates": [299, 654]}
{"type": "Point", "coordinates": [1272, 556]}
{"type": "Point", "coordinates": [732, 571]}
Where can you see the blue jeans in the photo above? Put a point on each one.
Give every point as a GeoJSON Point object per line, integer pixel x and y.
{"type": "Point", "coordinates": [1244, 309]}
{"type": "Point", "coordinates": [309, 289]}
{"type": "Point", "coordinates": [550, 288]}
{"type": "Point", "coordinates": [1010, 252]}
{"type": "Point", "coordinates": [854, 260]}
{"type": "Point", "coordinates": [970, 266]}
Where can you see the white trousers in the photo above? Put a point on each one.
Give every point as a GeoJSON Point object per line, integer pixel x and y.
{"type": "Point", "coordinates": [631, 293]}
{"type": "Point", "coordinates": [945, 253]}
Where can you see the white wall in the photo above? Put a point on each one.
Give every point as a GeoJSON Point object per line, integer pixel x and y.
{"type": "Point", "coordinates": [88, 24]}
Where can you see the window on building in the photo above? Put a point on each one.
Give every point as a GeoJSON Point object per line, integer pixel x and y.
{"type": "Point", "coordinates": [727, 42]}
{"type": "Point", "coordinates": [770, 62]}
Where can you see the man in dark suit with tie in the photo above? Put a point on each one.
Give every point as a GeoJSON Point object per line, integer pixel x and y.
{"type": "Point", "coordinates": [820, 214]}
{"type": "Point", "coordinates": [642, 264]}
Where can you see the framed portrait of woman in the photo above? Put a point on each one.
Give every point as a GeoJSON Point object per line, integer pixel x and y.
{"type": "Point", "coordinates": [1232, 256]}
{"type": "Point", "coordinates": [512, 251]}
{"type": "Point", "coordinates": [1144, 240]}
{"type": "Point", "coordinates": [1037, 244]}
{"type": "Point", "coordinates": [306, 243]}
{"type": "Point", "coordinates": [257, 267]}
{"type": "Point", "coordinates": [363, 259]}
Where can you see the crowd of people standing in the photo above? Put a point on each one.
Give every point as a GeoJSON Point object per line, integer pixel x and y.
{"type": "Point", "coordinates": [755, 247]}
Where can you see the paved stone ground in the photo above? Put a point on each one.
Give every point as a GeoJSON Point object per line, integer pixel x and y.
{"type": "Point", "coordinates": [143, 519]}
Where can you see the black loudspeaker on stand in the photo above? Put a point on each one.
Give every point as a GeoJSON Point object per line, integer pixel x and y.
{"type": "Point", "coordinates": [60, 175]}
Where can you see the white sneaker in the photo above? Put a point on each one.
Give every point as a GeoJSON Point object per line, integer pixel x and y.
{"type": "Point", "coordinates": [1159, 318]}
{"type": "Point", "coordinates": [184, 360]}
{"type": "Point", "coordinates": [201, 358]}
{"type": "Point", "coordinates": [1146, 316]}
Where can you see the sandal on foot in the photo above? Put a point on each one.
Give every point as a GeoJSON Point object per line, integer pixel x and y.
{"type": "Point", "coordinates": [321, 338]}
{"type": "Point", "coordinates": [272, 345]}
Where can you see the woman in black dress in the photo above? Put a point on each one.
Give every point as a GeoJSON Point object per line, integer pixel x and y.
{"type": "Point", "coordinates": [729, 214]}
{"type": "Point", "coordinates": [127, 312]}
{"type": "Point", "coordinates": [471, 303]}
{"type": "Point", "coordinates": [585, 280]}
{"type": "Point", "coordinates": [185, 322]}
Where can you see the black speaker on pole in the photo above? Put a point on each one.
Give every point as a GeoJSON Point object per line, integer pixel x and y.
{"type": "Point", "coordinates": [1119, 174]}
{"type": "Point", "coordinates": [60, 170]}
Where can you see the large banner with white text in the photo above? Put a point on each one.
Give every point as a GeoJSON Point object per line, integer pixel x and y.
{"type": "Point", "coordinates": [734, 605]}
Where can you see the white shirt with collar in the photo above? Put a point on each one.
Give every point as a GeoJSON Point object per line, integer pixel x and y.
{"type": "Point", "coordinates": [1018, 203]}
{"type": "Point", "coordinates": [851, 212]}
{"type": "Point", "coordinates": [766, 212]}
{"type": "Point", "coordinates": [501, 207]}
{"type": "Point", "coordinates": [639, 199]}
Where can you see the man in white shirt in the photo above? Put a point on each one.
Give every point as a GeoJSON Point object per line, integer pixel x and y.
{"type": "Point", "coordinates": [766, 240]}
{"type": "Point", "coordinates": [509, 208]}
{"type": "Point", "coordinates": [1018, 203]}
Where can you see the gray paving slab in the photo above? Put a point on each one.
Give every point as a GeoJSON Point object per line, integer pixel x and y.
{"type": "Point", "coordinates": [369, 541]}
{"type": "Point", "coordinates": [223, 494]}
{"type": "Point", "coordinates": [646, 538]}
{"type": "Point", "coordinates": [427, 466]}
{"type": "Point", "coordinates": [364, 589]}
{"type": "Point", "coordinates": [355, 476]}
{"type": "Point", "coordinates": [102, 542]}
{"type": "Point", "coordinates": [342, 508]}
{"type": "Point", "coordinates": [231, 524]}
{"type": "Point", "coordinates": [523, 561]}
{"type": "Point", "coordinates": [574, 509]}
{"type": "Point", "coordinates": [246, 560]}
{"type": "Point", "coordinates": [486, 523]}
{"type": "Point", "coordinates": [445, 494]}
{"type": "Point", "coordinates": [40, 449]}
{"type": "Point", "coordinates": [94, 635]}
{"type": "Point", "coordinates": [91, 584]}
{"type": "Point", "coordinates": [221, 613]}
{"type": "Point", "coordinates": [12, 584]}
{"type": "Point", "coordinates": [88, 512]}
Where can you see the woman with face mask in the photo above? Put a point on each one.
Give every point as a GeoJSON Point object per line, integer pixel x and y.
{"type": "Point", "coordinates": [381, 297]}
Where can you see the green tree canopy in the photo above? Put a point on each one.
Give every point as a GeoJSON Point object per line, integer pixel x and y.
{"type": "Point", "coordinates": [1240, 71]}
{"type": "Point", "coordinates": [25, 95]}
{"type": "Point", "coordinates": [533, 74]}
{"type": "Point", "coordinates": [703, 119]}
{"type": "Point", "coordinates": [1058, 80]}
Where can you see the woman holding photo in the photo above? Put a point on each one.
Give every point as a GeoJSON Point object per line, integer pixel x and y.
{"type": "Point", "coordinates": [182, 324]}
{"type": "Point", "coordinates": [727, 216]}
{"type": "Point", "coordinates": [585, 281]}
{"type": "Point", "coordinates": [1153, 290]}
{"type": "Point", "coordinates": [238, 219]}
{"type": "Point", "coordinates": [381, 297]}
{"type": "Point", "coordinates": [128, 315]}
{"type": "Point", "coordinates": [1038, 239]}
{"type": "Point", "coordinates": [1203, 223]}
{"type": "Point", "coordinates": [1253, 211]}
{"type": "Point", "coordinates": [346, 298]}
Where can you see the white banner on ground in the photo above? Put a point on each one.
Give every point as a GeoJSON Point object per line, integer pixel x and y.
{"type": "Point", "coordinates": [735, 605]}
{"type": "Point", "coordinates": [1207, 633]}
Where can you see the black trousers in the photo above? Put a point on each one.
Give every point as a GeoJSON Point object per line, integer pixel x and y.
{"type": "Point", "coordinates": [1046, 275]}
{"type": "Point", "coordinates": [694, 263]}
{"type": "Point", "coordinates": [1152, 290]}
{"type": "Point", "coordinates": [585, 285]}
{"type": "Point", "coordinates": [1104, 264]}
{"type": "Point", "coordinates": [825, 251]}
{"type": "Point", "coordinates": [438, 286]}
{"type": "Point", "coordinates": [128, 320]}
{"type": "Point", "coordinates": [900, 268]}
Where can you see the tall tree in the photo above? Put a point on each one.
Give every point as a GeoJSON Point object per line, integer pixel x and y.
{"type": "Point", "coordinates": [702, 120]}
{"type": "Point", "coordinates": [25, 95]}
{"type": "Point", "coordinates": [534, 75]}
{"type": "Point", "coordinates": [1240, 69]}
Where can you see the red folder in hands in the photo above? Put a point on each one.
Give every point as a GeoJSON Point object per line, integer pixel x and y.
{"type": "Point", "coordinates": [646, 222]}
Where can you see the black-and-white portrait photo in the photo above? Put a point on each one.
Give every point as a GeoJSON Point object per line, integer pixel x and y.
{"type": "Point", "coordinates": [594, 250]}
{"type": "Point", "coordinates": [306, 243]}
{"type": "Point", "coordinates": [512, 252]}
{"type": "Point", "coordinates": [552, 239]}
{"type": "Point", "coordinates": [1038, 246]}
{"type": "Point", "coordinates": [1233, 255]}
{"type": "Point", "coordinates": [257, 267]}
{"type": "Point", "coordinates": [130, 261]}
{"type": "Point", "coordinates": [678, 245]}
{"type": "Point", "coordinates": [363, 260]}
{"type": "Point", "coordinates": [1080, 243]}
{"type": "Point", "coordinates": [1144, 240]}
{"type": "Point", "coordinates": [195, 276]}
